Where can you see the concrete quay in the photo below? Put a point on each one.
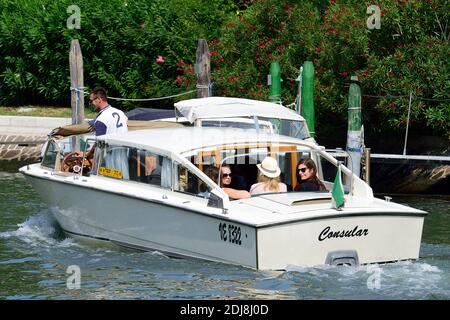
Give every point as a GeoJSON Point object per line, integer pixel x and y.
{"type": "Point", "coordinates": [22, 137]}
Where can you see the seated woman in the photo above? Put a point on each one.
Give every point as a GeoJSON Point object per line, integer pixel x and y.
{"type": "Point", "coordinates": [213, 173]}
{"type": "Point", "coordinates": [225, 183]}
{"type": "Point", "coordinates": [307, 179]}
{"type": "Point", "coordinates": [268, 178]}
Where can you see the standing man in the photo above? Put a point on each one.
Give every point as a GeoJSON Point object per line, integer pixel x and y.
{"type": "Point", "coordinates": [109, 119]}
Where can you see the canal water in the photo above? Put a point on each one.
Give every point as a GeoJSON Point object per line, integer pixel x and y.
{"type": "Point", "coordinates": [36, 262]}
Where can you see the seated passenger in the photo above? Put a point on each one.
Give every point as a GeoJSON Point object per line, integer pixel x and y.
{"type": "Point", "coordinates": [268, 178]}
{"type": "Point", "coordinates": [307, 179]}
{"type": "Point", "coordinates": [213, 173]}
{"type": "Point", "coordinates": [152, 170]}
{"type": "Point", "coordinates": [225, 183]}
{"type": "Point", "coordinates": [238, 182]}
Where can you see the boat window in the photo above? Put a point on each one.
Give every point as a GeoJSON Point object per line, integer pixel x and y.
{"type": "Point", "coordinates": [112, 161]}
{"type": "Point", "coordinates": [188, 182]}
{"type": "Point", "coordinates": [291, 128]}
{"type": "Point", "coordinates": [327, 173]}
{"type": "Point", "coordinates": [135, 164]}
{"type": "Point", "coordinates": [149, 167]}
{"type": "Point", "coordinates": [244, 165]}
{"type": "Point", "coordinates": [241, 123]}
{"type": "Point", "coordinates": [64, 154]}
{"type": "Point", "coordinates": [50, 155]}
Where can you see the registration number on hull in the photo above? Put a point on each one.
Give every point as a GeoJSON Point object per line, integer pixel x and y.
{"type": "Point", "coordinates": [230, 233]}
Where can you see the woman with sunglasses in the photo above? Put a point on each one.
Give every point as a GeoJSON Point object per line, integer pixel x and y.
{"type": "Point", "coordinates": [307, 179]}
{"type": "Point", "coordinates": [225, 184]}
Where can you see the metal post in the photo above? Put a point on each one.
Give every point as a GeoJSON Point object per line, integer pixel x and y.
{"type": "Point", "coordinates": [367, 165]}
{"type": "Point", "coordinates": [407, 123]}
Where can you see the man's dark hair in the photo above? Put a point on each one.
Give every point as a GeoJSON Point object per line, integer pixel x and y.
{"type": "Point", "coordinates": [99, 92]}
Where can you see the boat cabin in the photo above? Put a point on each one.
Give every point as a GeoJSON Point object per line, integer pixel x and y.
{"type": "Point", "coordinates": [176, 159]}
{"type": "Point", "coordinates": [225, 112]}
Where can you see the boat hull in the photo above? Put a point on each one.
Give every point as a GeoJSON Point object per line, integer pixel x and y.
{"type": "Point", "coordinates": [153, 225]}
{"type": "Point", "coordinates": [142, 224]}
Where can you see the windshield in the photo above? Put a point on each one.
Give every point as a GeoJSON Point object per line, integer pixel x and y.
{"type": "Point", "coordinates": [291, 128]}
{"type": "Point", "coordinates": [241, 123]}
{"type": "Point", "coordinates": [294, 169]}
{"type": "Point", "coordinates": [57, 151]}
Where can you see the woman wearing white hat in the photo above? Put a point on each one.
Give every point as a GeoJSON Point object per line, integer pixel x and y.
{"type": "Point", "coordinates": [268, 178]}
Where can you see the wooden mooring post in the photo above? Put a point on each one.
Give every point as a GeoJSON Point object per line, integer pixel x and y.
{"type": "Point", "coordinates": [76, 86]}
{"type": "Point", "coordinates": [203, 69]}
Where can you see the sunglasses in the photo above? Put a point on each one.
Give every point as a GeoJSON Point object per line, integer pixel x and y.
{"type": "Point", "coordinates": [302, 170]}
{"type": "Point", "coordinates": [90, 101]}
{"type": "Point", "coordinates": [225, 175]}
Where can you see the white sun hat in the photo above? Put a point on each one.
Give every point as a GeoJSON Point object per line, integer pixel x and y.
{"type": "Point", "coordinates": [269, 167]}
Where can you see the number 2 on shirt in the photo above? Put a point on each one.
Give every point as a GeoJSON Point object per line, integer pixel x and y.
{"type": "Point", "coordinates": [118, 125]}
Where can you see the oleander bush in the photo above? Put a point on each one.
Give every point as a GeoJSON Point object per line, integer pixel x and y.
{"type": "Point", "coordinates": [146, 48]}
{"type": "Point", "coordinates": [120, 41]}
{"type": "Point", "coordinates": [408, 54]}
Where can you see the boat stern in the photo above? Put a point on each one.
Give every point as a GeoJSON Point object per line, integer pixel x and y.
{"type": "Point", "coordinates": [309, 232]}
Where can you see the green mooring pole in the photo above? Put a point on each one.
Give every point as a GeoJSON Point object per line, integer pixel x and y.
{"type": "Point", "coordinates": [275, 82]}
{"type": "Point", "coordinates": [307, 95]}
{"type": "Point", "coordinates": [354, 133]}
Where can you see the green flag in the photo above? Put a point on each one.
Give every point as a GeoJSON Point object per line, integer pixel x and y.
{"type": "Point", "coordinates": [337, 193]}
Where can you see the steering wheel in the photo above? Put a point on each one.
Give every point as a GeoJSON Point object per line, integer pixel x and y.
{"type": "Point", "coordinates": [73, 161]}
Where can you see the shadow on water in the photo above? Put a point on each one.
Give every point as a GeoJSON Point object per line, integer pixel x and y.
{"type": "Point", "coordinates": [13, 166]}
{"type": "Point", "coordinates": [436, 228]}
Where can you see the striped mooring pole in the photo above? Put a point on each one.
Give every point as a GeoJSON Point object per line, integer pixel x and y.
{"type": "Point", "coordinates": [274, 81]}
{"type": "Point", "coordinates": [354, 132]}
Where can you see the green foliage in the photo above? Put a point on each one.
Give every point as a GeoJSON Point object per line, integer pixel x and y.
{"type": "Point", "coordinates": [121, 40]}
{"type": "Point", "coordinates": [408, 54]}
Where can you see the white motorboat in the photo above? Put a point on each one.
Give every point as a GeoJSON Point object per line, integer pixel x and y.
{"type": "Point", "coordinates": [146, 190]}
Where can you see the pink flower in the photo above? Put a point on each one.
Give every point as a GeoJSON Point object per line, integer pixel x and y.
{"type": "Point", "coordinates": [160, 60]}
{"type": "Point", "coordinates": [179, 80]}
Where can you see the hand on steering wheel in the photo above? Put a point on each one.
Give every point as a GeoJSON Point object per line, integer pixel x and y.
{"type": "Point", "coordinates": [73, 159]}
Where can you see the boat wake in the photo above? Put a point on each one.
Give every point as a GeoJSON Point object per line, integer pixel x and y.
{"type": "Point", "coordinates": [403, 279]}
{"type": "Point", "coordinates": [40, 229]}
